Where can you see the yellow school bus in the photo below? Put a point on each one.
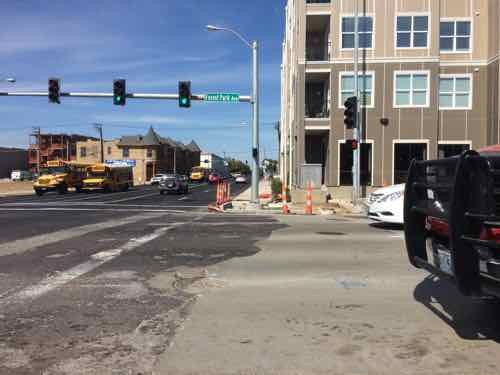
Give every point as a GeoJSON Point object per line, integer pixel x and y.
{"type": "Point", "coordinates": [199, 174]}
{"type": "Point", "coordinates": [59, 175]}
{"type": "Point", "coordinates": [108, 178]}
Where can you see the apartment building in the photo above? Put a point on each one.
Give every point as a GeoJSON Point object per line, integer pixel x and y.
{"type": "Point", "coordinates": [148, 154]}
{"type": "Point", "coordinates": [429, 81]}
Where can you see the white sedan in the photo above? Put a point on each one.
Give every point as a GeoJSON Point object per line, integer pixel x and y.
{"type": "Point", "coordinates": [241, 179]}
{"type": "Point", "coordinates": [386, 204]}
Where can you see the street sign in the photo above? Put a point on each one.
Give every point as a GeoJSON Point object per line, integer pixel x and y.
{"type": "Point", "coordinates": [121, 163]}
{"type": "Point", "coordinates": [222, 97]}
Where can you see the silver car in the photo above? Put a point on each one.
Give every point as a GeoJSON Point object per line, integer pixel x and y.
{"type": "Point", "coordinates": [174, 184]}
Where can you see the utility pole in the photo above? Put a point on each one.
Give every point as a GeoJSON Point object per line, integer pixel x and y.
{"type": "Point", "coordinates": [175, 160]}
{"type": "Point", "coordinates": [37, 133]}
{"type": "Point", "coordinates": [99, 129]}
{"type": "Point", "coordinates": [356, 175]}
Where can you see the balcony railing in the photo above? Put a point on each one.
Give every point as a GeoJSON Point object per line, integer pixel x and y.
{"type": "Point", "coordinates": [316, 96]}
{"type": "Point", "coordinates": [317, 54]}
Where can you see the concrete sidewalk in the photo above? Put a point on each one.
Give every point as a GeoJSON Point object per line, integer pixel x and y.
{"type": "Point", "coordinates": [329, 297]}
{"type": "Point", "coordinates": [264, 188]}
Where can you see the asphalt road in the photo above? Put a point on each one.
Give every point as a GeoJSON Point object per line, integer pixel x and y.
{"type": "Point", "coordinates": [138, 283]}
{"type": "Point", "coordinates": [77, 275]}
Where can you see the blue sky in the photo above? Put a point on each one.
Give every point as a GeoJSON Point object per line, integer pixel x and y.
{"type": "Point", "coordinates": [153, 44]}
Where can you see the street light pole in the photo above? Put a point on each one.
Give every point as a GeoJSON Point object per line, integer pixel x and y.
{"type": "Point", "coordinates": [254, 46]}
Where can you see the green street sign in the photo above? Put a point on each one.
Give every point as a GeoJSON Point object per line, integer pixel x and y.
{"type": "Point", "coordinates": [221, 97]}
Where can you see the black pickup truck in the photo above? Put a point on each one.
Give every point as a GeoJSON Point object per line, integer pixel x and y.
{"type": "Point", "coordinates": [452, 220]}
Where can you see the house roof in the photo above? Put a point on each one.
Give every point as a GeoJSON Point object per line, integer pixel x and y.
{"type": "Point", "coordinates": [193, 147]}
{"type": "Point", "coordinates": [151, 138]}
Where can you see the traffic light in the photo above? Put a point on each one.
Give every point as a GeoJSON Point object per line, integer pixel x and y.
{"type": "Point", "coordinates": [119, 92]}
{"type": "Point", "coordinates": [351, 112]}
{"type": "Point", "coordinates": [353, 143]}
{"type": "Point", "coordinates": [54, 91]}
{"type": "Point", "coordinates": [185, 94]}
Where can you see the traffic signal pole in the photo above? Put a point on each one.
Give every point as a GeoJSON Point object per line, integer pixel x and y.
{"type": "Point", "coordinates": [356, 173]}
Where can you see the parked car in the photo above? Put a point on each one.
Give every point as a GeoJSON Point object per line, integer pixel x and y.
{"type": "Point", "coordinates": [158, 178]}
{"type": "Point", "coordinates": [386, 205]}
{"type": "Point", "coordinates": [174, 184]}
{"type": "Point", "coordinates": [241, 179]}
{"type": "Point", "coordinates": [18, 175]}
{"type": "Point", "coordinates": [214, 178]}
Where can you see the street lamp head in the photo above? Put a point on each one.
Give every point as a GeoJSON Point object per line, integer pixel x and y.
{"type": "Point", "coordinates": [213, 28]}
{"type": "Point", "coordinates": [11, 80]}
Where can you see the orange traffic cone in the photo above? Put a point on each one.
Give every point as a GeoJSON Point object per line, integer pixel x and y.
{"type": "Point", "coordinates": [309, 204]}
{"type": "Point", "coordinates": [284, 200]}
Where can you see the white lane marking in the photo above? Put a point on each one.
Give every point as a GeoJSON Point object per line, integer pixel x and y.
{"type": "Point", "coordinates": [206, 191]}
{"type": "Point", "coordinates": [88, 204]}
{"type": "Point", "coordinates": [96, 260]}
{"type": "Point", "coordinates": [25, 244]}
{"type": "Point", "coordinates": [56, 209]}
{"type": "Point", "coordinates": [142, 196]}
{"type": "Point", "coordinates": [61, 202]}
{"type": "Point", "coordinates": [182, 199]}
{"type": "Point", "coordinates": [132, 198]}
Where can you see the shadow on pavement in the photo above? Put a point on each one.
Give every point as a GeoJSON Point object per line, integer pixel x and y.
{"type": "Point", "coordinates": [472, 319]}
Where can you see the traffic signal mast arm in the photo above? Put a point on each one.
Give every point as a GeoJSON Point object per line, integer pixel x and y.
{"type": "Point", "coordinates": [196, 97]}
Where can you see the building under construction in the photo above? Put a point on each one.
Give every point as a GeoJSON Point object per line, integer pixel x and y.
{"type": "Point", "coordinates": [44, 147]}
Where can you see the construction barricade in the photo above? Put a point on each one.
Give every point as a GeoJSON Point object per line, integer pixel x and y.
{"type": "Point", "coordinates": [222, 198]}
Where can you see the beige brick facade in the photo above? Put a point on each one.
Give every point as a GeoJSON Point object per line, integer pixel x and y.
{"type": "Point", "coordinates": [151, 153]}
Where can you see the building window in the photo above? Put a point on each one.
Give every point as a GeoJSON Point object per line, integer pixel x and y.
{"type": "Point", "coordinates": [83, 152]}
{"type": "Point", "coordinates": [365, 26]}
{"type": "Point", "coordinates": [149, 153]}
{"type": "Point", "coordinates": [411, 89]}
{"type": "Point", "coordinates": [455, 92]}
{"type": "Point", "coordinates": [403, 155]}
{"type": "Point", "coordinates": [365, 86]}
{"type": "Point", "coordinates": [412, 31]}
{"type": "Point", "coordinates": [455, 36]}
{"type": "Point", "coordinates": [109, 150]}
{"type": "Point", "coordinates": [126, 152]}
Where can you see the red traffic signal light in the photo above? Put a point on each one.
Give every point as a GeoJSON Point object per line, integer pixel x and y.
{"type": "Point", "coordinates": [353, 143]}
{"type": "Point", "coordinates": [54, 91]}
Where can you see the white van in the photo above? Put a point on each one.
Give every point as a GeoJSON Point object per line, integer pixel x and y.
{"type": "Point", "coordinates": [20, 175]}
